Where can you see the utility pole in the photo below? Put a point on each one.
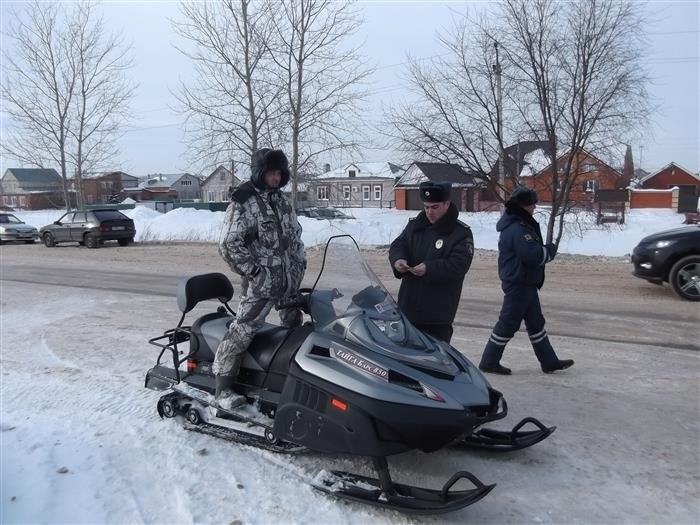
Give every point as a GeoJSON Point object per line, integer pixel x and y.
{"type": "Point", "coordinates": [499, 126]}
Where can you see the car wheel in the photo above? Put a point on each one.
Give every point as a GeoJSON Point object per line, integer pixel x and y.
{"type": "Point", "coordinates": [125, 242]}
{"type": "Point", "coordinates": [91, 241]}
{"type": "Point", "coordinates": [49, 240]}
{"type": "Point", "coordinates": [684, 278]}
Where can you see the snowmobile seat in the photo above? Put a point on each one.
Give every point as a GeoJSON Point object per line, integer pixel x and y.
{"type": "Point", "coordinates": [192, 290]}
{"type": "Point", "coordinates": [209, 330]}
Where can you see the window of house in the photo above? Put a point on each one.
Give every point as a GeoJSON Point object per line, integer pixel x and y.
{"type": "Point", "coordinates": [377, 192]}
{"type": "Point", "coordinates": [366, 190]}
{"type": "Point", "coordinates": [351, 173]}
{"type": "Point", "coordinates": [590, 185]}
{"type": "Point", "coordinates": [222, 176]}
{"type": "Point", "coordinates": [587, 167]}
{"type": "Point", "coordinates": [322, 193]}
{"type": "Point", "coordinates": [210, 196]}
{"type": "Point", "coordinates": [185, 183]}
{"type": "Point", "coordinates": [346, 193]}
{"type": "Point", "coordinates": [224, 196]}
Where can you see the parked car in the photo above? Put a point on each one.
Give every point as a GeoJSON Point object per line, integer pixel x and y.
{"type": "Point", "coordinates": [13, 229]}
{"type": "Point", "coordinates": [671, 256]}
{"type": "Point", "coordinates": [91, 228]}
{"type": "Point", "coordinates": [325, 213]}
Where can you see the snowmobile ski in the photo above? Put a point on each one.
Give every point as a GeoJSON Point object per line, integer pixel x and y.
{"type": "Point", "coordinates": [385, 493]}
{"type": "Point", "coordinates": [504, 440]}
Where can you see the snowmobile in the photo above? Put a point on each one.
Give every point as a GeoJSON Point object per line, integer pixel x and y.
{"type": "Point", "coordinates": [356, 379]}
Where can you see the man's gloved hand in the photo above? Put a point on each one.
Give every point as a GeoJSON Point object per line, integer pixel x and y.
{"type": "Point", "coordinates": [551, 251]}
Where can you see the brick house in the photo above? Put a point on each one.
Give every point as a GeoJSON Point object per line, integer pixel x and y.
{"type": "Point", "coordinates": [407, 193]}
{"type": "Point", "coordinates": [31, 188]}
{"type": "Point", "coordinates": [592, 174]}
{"type": "Point", "coordinates": [105, 187]}
{"type": "Point", "coordinates": [217, 186]}
{"type": "Point", "coordinates": [355, 185]}
{"type": "Point", "coordinates": [673, 175]}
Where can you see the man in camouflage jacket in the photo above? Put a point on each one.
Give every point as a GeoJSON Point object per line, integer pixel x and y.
{"type": "Point", "coordinates": [261, 241]}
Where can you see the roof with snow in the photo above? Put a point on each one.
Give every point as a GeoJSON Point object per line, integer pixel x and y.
{"type": "Point", "coordinates": [670, 164]}
{"type": "Point", "coordinates": [385, 170]}
{"type": "Point", "coordinates": [163, 180]}
{"type": "Point", "coordinates": [419, 172]}
{"type": "Point", "coordinates": [524, 159]}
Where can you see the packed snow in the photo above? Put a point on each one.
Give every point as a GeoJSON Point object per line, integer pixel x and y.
{"type": "Point", "coordinates": [378, 227]}
{"type": "Point", "coordinates": [80, 440]}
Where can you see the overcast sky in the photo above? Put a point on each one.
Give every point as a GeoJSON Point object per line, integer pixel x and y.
{"type": "Point", "coordinates": [153, 142]}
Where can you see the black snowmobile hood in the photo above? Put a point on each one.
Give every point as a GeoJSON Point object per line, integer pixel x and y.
{"type": "Point", "coordinates": [268, 159]}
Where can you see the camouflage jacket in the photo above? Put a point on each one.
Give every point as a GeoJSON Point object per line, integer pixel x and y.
{"type": "Point", "coordinates": [261, 241]}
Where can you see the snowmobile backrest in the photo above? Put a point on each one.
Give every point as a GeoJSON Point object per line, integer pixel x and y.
{"type": "Point", "coordinates": [192, 290]}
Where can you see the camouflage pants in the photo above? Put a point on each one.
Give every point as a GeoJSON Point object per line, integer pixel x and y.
{"type": "Point", "coordinates": [250, 318]}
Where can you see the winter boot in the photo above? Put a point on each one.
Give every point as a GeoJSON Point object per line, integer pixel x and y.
{"type": "Point", "coordinates": [492, 355]}
{"type": "Point", "coordinates": [225, 397]}
{"type": "Point", "coordinates": [545, 353]}
{"type": "Point", "coordinates": [560, 364]}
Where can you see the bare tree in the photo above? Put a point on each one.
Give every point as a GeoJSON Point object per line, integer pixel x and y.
{"type": "Point", "coordinates": [102, 92]}
{"type": "Point", "coordinates": [38, 89]}
{"type": "Point", "coordinates": [578, 81]}
{"type": "Point", "coordinates": [233, 105]}
{"type": "Point", "coordinates": [572, 78]}
{"type": "Point", "coordinates": [322, 75]}
{"type": "Point", "coordinates": [453, 116]}
{"type": "Point", "coordinates": [65, 90]}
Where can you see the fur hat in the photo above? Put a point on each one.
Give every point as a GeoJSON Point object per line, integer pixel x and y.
{"type": "Point", "coordinates": [435, 191]}
{"type": "Point", "coordinates": [265, 160]}
{"type": "Point", "coordinates": [524, 196]}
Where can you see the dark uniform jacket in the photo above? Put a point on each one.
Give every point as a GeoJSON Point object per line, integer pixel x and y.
{"type": "Point", "coordinates": [521, 253]}
{"type": "Point", "coordinates": [446, 248]}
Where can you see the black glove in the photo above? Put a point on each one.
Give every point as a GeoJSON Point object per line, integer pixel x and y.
{"type": "Point", "coordinates": [551, 251]}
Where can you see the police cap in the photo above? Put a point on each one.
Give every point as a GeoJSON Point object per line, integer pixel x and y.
{"type": "Point", "coordinates": [435, 191]}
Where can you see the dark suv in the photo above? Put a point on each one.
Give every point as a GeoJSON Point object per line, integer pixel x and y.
{"type": "Point", "coordinates": [91, 228]}
{"type": "Point", "coordinates": [672, 256]}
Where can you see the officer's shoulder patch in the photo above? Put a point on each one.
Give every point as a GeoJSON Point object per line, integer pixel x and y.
{"type": "Point", "coordinates": [463, 224]}
{"type": "Point", "coordinates": [528, 237]}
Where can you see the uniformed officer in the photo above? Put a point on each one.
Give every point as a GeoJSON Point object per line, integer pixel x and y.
{"type": "Point", "coordinates": [261, 241]}
{"type": "Point", "coordinates": [431, 257]}
{"type": "Point", "coordinates": [521, 260]}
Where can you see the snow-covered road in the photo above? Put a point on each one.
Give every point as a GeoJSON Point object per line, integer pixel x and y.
{"type": "Point", "coordinates": [81, 442]}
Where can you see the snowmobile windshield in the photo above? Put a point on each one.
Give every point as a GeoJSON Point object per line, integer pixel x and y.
{"type": "Point", "coordinates": [349, 301]}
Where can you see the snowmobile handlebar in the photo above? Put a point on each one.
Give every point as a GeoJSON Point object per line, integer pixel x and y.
{"type": "Point", "coordinates": [298, 301]}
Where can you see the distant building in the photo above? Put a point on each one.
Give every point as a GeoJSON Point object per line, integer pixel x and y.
{"type": "Point", "coordinates": [408, 195]}
{"type": "Point", "coordinates": [217, 186]}
{"type": "Point", "coordinates": [176, 186]}
{"type": "Point", "coordinates": [673, 175]}
{"type": "Point", "coordinates": [31, 188]}
{"type": "Point", "coordinates": [355, 185]}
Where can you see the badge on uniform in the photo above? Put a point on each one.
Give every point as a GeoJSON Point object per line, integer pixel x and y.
{"type": "Point", "coordinates": [528, 237]}
{"type": "Point", "coordinates": [438, 244]}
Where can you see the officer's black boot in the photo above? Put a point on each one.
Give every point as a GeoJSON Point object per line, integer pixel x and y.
{"type": "Point", "coordinates": [490, 359]}
{"type": "Point", "coordinates": [548, 358]}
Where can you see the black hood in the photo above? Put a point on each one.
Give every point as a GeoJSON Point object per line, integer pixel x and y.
{"type": "Point", "coordinates": [267, 159]}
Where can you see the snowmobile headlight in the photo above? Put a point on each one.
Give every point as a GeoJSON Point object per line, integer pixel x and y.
{"type": "Point", "coordinates": [394, 330]}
